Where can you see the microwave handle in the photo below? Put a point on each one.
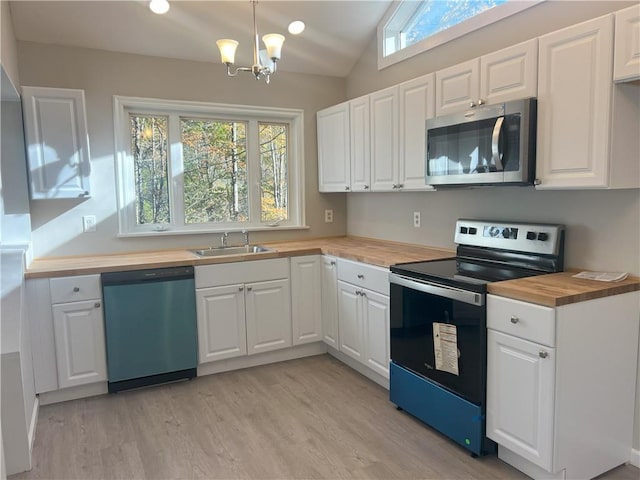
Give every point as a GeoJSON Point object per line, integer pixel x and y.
{"type": "Point", "coordinates": [495, 144]}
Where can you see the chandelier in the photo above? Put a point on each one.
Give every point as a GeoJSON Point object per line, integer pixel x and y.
{"type": "Point", "coordinates": [264, 61]}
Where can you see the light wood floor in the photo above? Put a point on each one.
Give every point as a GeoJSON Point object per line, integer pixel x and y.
{"type": "Point", "coordinates": [304, 419]}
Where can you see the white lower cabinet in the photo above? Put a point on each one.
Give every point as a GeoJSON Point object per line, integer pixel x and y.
{"type": "Point", "coordinates": [243, 308]}
{"type": "Point", "coordinates": [561, 384]}
{"type": "Point", "coordinates": [329, 277]}
{"type": "Point", "coordinates": [306, 299]}
{"type": "Point", "coordinates": [363, 314]}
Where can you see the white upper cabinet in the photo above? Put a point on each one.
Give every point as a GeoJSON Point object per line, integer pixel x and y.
{"type": "Point", "coordinates": [360, 144]}
{"type": "Point", "coordinates": [417, 103]}
{"type": "Point", "coordinates": [57, 142]}
{"type": "Point", "coordinates": [501, 76]}
{"type": "Point", "coordinates": [384, 140]}
{"type": "Point", "coordinates": [587, 128]}
{"type": "Point", "coordinates": [626, 58]}
{"type": "Point", "coordinates": [334, 149]}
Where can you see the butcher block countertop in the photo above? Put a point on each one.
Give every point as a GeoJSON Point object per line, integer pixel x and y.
{"type": "Point", "coordinates": [375, 252]}
{"type": "Point", "coordinates": [557, 289]}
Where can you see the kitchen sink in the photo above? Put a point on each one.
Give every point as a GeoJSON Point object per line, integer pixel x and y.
{"type": "Point", "coordinates": [220, 251]}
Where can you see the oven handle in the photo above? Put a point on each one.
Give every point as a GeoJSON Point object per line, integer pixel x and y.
{"type": "Point", "coordinates": [440, 290]}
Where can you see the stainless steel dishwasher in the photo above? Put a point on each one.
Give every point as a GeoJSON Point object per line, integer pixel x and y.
{"type": "Point", "coordinates": [150, 325]}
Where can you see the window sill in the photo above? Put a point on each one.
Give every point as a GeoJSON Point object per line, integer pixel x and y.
{"type": "Point", "coordinates": [208, 232]}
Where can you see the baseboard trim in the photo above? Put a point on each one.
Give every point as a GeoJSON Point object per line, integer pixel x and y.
{"type": "Point", "coordinates": [32, 425]}
{"type": "Point", "coordinates": [635, 458]}
{"type": "Point", "coordinates": [359, 367]}
{"type": "Point", "coordinates": [73, 393]}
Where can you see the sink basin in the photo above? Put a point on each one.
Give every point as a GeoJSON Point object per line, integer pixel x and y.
{"type": "Point", "coordinates": [220, 251]}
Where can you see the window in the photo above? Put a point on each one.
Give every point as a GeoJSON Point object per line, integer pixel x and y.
{"type": "Point", "coordinates": [411, 27]}
{"type": "Point", "coordinates": [186, 167]}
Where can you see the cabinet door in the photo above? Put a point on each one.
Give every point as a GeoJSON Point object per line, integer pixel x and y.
{"type": "Point", "coordinates": [416, 105]}
{"type": "Point", "coordinates": [626, 63]}
{"type": "Point", "coordinates": [457, 87]}
{"type": "Point", "coordinates": [306, 298]}
{"type": "Point", "coordinates": [221, 323]}
{"type": "Point", "coordinates": [510, 74]}
{"type": "Point", "coordinates": [384, 140]}
{"type": "Point", "coordinates": [375, 311]}
{"type": "Point", "coordinates": [350, 320]}
{"type": "Point", "coordinates": [268, 316]}
{"type": "Point", "coordinates": [574, 100]}
{"type": "Point", "coordinates": [330, 302]}
{"type": "Point", "coordinates": [360, 144]}
{"type": "Point", "coordinates": [333, 149]}
{"type": "Point", "coordinates": [80, 344]}
{"type": "Point", "coordinates": [57, 142]}
{"type": "Point", "coordinates": [520, 396]}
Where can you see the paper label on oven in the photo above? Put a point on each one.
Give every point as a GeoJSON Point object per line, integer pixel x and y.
{"type": "Point", "coordinates": [445, 347]}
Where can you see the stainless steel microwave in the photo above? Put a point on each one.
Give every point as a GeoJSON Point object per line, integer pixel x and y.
{"type": "Point", "coordinates": [486, 145]}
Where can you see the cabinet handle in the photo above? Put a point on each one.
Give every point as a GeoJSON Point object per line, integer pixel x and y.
{"type": "Point", "coordinates": [358, 292]}
{"type": "Point", "coordinates": [543, 354]}
{"type": "Point", "coordinates": [366, 187]}
{"type": "Point", "coordinates": [480, 102]}
{"type": "Point", "coordinates": [401, 185]}
{"type": "Point", "coordinates": [240, 289]}
{"type": "Point", "coordinates": [346, 188]}
{"type": "Point", "coordinates": [514, 319]}
{"type": "Point", "coordinates": [332, 263]}
{"type": "Point", "coordinates": [360, 276]}
{"type": "Point", "coordinates": [394, 186]}
{"type": "Point", "coordinates": [364, 294]}
{"type": "Point", "coordinates": [76, 289]}
{"type": "Point", "coordinates": [537, 181]}
{"type": "Point", "coordinates": [97, 304]}
{"type": "Point", "coordinates": [249, 289]}
{"type": "Point", "coordinates": [472, 105]}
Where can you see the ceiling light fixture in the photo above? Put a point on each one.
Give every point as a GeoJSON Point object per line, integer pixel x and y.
{"type": "Point", "coordinates": [296, 27]}
{"type": "Point", "coordinates": [264, 62]}
{"type": "Point", "coordinates": [159, 6]}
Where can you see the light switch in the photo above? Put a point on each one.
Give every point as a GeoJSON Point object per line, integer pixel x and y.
{"type": "Point", "coordinates": [89, 223]}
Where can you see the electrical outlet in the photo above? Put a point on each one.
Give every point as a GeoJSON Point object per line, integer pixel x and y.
{"type": "Point", "coordinates": [328, 216]}
{"type": "Point", "coordinates": [416, 219]}
{"type": "Point", "coordinates": [89, 223]}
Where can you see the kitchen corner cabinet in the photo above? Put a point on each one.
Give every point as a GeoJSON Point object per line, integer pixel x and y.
{"type": "Point", "coordinates": [587, 126]}
{"type": "Point", "coordinates": [384, 140]}
{"type": "Point", "coordinates": [306, 299]}
{"type": "Point", "coordinates": [67, 328]}
{"type": "Point", "coordinates": [334, 159]}
{"type": "Point", "coordinates": [561, 384]}
{"type": "Point", "coordinates": [508, 74]}
{"type": "Point", "coordinates": [626, 56]}
{"type": "Point", "coordinates": [329, 275]}
{"type": "Point", "coordinates": [57, 140]}
{"type": "Point", "coordinates": [360, 144]}
{"type": "Point", "coordinates": [242, 308]}
{"type": "Point", "coordinates": [363, 313]}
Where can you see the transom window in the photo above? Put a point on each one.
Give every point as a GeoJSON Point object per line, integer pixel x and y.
{"type": "Point", "coordinates": [414, 26]}
{"type": "Point", "coordinates": [191, 167]}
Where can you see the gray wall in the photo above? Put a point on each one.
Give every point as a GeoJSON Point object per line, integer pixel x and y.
{"type": "Point", "coordinates": [57, 225]}
{"type": "Point", "coordinates": [603, 227]}
{"type": "Point", "coordinates": [8, 48]}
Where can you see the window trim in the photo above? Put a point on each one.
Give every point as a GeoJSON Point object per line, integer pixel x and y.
{"type": "Point", "coordinates": [125, 193]}
{"type": "Point", "coordinates": [477, 22]}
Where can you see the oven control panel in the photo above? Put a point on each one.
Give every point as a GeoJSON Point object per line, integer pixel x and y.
{"type": "Point", "coordinates": [521, 237]}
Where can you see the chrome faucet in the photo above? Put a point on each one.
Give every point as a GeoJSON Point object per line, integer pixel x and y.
{"type": "Point", "coordinates": [245, 233]}
{"type": "Point", "coordinates": [224, 239]}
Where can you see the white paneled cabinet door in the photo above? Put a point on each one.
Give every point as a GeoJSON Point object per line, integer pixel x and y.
{"type": "Point", "coordinates": [306, 299]}
{"type": "Point", "coordinates": [384, 140]}
{"type": "Point", "coordinates": [350, 321]}
{"type": "Point", "coordinates": [221, 323]}
{"type": "Point", "coordinates": [510, 74]}
{"type": "Point", "coordinates": [268, 309]}
{"type": "Point", "coordinates": [457, 87]}
{"type": "Point", "coordinates": [574, 104]}
{"type": "Point", "coordinates": [521, 418]}
{"type": "Point", "coordinates": [375, 310]}
{"type": "Point", "coordinates": [57, 142]}
{"type": "Point", "coordinates": [360, 144]}
{"type": "Point", "coordinates": [333, 149]}
{"type": "Point", "coordinates": [80, 343]}
{"type": "Point", "coordinates": [416, 99]}
{"type": "Point", "coordinates": [330, 302]}
{"type": "Point", "coordinates": [626, 64]}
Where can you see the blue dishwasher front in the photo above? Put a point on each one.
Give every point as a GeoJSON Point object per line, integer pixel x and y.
{"type": "Point", "coordinates": [150, 323]}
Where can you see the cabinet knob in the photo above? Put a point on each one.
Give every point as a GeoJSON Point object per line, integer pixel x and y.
{"type": "Point", "coordinates": [358, 292]}
{"type": "Point", "coordinates": [347, 187]}
{"type": "Point", "coordinates": [366, 187]}
{"type": "Point", "coordinates": [480, 102]}
{"type": "Point", "coordinates": [472, 105]}
{"type": "Point", "coordinates": [543, 354]}
{"type": "Point", "coordinates": [537, 181]}
{"type": "Point", "coordinates": [360, 276]}
{"type": "Point", "coordinates": [240, 289]}
{"type": "Point", "coordinates": [332, 263]}
{"type": "Point", "coordinates": [249, 289]}
{"type": "Point", "coordinates": [514, 319]}
{"type": "Point", "coordinates": [76, 289]}
{"type": "Point", "coordinates": [97, 304]}
{"type": "Point", "coordinates": [364, 294]}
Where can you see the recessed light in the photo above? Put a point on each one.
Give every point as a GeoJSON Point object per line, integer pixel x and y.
{"type": "Point", "coordinates": [296, 27]}
{"type": "Point", "coordinates": [159, 6]}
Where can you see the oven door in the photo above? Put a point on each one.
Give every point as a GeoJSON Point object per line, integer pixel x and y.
{"type": "Point", "coordinates": [439, 333]}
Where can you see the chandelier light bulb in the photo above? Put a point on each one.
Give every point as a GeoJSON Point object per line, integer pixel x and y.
{"type": "Point", "coordinates": [159, 6]}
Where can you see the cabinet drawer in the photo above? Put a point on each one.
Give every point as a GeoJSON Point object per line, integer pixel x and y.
{"type": "Point", "coordinates": [363, 275]}
{"type": "Point", "coordinates": [75, 289]}
{"type": "Point", "coordinates": [520, 319]}
{"type": "Point", "coordinates": [241, 272]}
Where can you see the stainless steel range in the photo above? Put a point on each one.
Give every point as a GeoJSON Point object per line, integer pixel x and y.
{"type": "Point", "coordinates": [438, 322]}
